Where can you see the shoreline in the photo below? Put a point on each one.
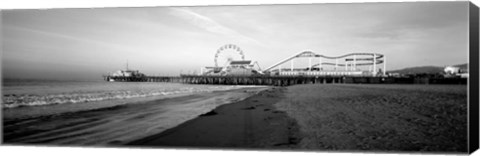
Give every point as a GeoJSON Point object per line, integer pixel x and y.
{"type": "Point", "coordinates": [52, 109]}
{"type": "Point", "coordinates": [117, 124]}
{"type": "Point", "coordinates": [251, 123]}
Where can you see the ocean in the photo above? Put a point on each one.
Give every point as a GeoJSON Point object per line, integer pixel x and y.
{"type": "Point", "coordinates": [102, 113]}
{"type": "Point", "coordinates": [19, 93]}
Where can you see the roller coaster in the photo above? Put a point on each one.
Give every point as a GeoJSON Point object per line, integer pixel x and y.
{"type": "Point", "coordinates": [230, 60]}
{"type": "Point", "coordinates": [351, 64]}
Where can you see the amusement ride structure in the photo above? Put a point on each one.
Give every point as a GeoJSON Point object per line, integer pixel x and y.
{"type": "Point", "coordinates": [349, 64]}
{"type": "Point", "coordinates": [230, 60]}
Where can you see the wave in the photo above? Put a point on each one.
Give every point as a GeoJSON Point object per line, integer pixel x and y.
{"type": "Point", "coordinates": [13, 100]}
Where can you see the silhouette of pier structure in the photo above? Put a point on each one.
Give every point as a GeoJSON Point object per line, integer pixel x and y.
{"type": "Point", "coordinates": [293, 80]}
{"type": "Point", "coordinates": [231, 68]}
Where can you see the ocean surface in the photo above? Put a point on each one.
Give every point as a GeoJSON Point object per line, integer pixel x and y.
{"type": "Point", "coordinates": [19, 93]}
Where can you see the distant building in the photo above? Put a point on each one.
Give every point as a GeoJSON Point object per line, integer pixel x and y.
{"type": "Point", "coordinates": [451, 70]}
{"type": "Point", "coordinates": [127, 73]}
{"type": "Point", "coordinates": [457, 70]}
{"type": "Point", "coordinates": [239, 68]}
{"type": "Point", "coordinates": [233, 68]}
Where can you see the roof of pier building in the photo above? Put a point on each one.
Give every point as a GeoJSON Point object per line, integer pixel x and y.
{"type": "Point", "coordinates": [242, 62]}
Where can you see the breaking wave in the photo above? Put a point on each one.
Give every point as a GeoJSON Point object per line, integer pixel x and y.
{"type": "Point", "coordinates": [74, 93]}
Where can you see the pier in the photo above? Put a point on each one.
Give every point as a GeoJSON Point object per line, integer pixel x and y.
{"type": "Point", "coordinates": [294, 80]}
{"type": "Point", "coordinates": [143, 79]}
{"type": "Point", "coordinates": [288, 80]}
{"type": "Point", "coordinates": [350, 68]}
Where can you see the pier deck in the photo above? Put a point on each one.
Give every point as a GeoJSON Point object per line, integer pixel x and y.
{"type": "Point", "coordinates": [287, 80]}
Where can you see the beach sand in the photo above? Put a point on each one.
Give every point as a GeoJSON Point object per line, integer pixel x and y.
{"type": "Point", "coordinates": [388, 118]}
{"type": "Point", "coordinates": [408, 118]}
{"type": "Point", "coordinates": [323, 117]}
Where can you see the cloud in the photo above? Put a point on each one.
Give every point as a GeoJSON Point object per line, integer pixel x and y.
{"type": "Point", "coordinates": [210, 25]}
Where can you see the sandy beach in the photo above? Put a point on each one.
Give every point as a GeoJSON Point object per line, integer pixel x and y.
{"type": "Point", "coordinates": [388, 118]}
{"type": "Point", "coordinates": [400, 118]}
{"type": "Point", "coordinates": [324, 117]}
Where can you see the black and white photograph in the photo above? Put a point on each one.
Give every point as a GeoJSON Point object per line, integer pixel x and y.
{"type": "Point", "coordinates": [388, 77]}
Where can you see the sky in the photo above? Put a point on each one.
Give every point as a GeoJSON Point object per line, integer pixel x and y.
{"type": "Point", "coordinates": [84, 44]}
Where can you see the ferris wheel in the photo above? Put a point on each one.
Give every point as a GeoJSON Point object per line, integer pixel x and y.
{"type": "Point", "coordinates": [228, 53]}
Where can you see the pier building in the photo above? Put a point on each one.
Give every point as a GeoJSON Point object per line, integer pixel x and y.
{"type": "Point", "coordinates": [230, 61]}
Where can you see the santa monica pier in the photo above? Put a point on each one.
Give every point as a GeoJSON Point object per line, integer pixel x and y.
{"type": "Point", "coordinates": [231, 68]}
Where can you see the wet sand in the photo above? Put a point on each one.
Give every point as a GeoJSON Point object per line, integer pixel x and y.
{"type": "Point", "coordinates": [251, 123]}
